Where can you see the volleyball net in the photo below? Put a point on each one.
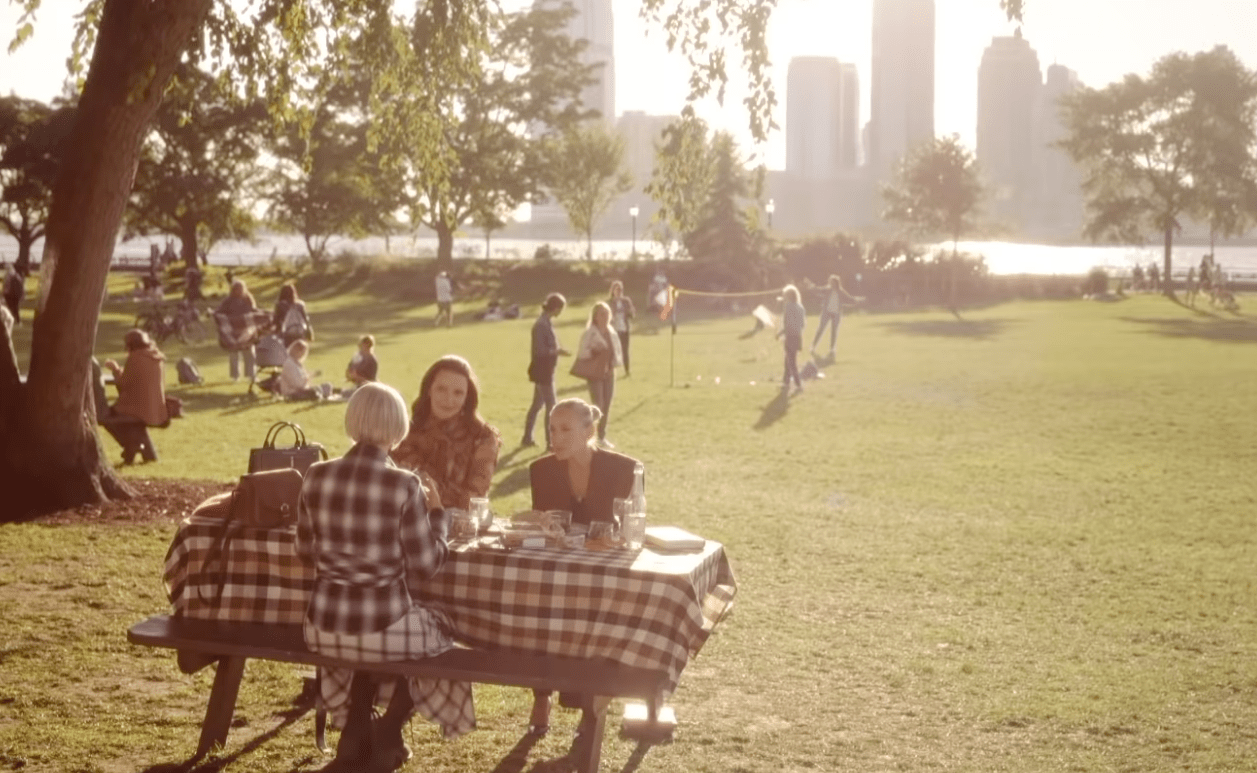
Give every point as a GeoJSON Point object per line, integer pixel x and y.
{"type": "Point", "coordinates": [671, 309]}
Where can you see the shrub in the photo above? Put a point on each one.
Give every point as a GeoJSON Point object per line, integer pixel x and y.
{"type": "Point", "coordinates": [1096, 283]}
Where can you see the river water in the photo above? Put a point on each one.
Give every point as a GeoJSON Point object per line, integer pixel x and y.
{"type": "Point", "coordinates": [1001, 257]}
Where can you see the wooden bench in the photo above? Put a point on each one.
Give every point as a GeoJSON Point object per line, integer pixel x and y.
{"type": "Point", "coordinates": [201, 642]}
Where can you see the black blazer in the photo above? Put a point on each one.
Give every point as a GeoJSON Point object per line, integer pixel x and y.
{"type": "Point", "coordinates": [610, 476]}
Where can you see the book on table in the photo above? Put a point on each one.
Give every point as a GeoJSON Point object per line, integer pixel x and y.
{"type": "Point", "coordinates": [672, 538]}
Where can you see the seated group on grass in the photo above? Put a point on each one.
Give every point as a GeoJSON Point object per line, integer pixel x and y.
{"type": "Point", "coordinates": [241, 325]}
{"type": "Point", "coordinates": [392, 486]}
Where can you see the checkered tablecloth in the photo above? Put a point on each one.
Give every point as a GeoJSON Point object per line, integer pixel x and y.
{"type": "Point", "coordinates": [641, 608]}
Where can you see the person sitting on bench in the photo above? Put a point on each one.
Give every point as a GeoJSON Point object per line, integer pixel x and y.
{"type": "Point", "coordinates": [141, 398]}
{"type": "Point", "coordinates": [363, 524]}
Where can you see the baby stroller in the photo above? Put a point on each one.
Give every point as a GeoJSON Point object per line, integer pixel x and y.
{"type": "Point", "coordinates": [269, 356]}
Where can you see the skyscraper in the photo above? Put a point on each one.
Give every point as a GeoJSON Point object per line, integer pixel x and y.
{"type": "Point", "coordinates": [641, 133]}
{"type": "Point", "coordinates": [1009, 86]}
{"type": "Point", "coordinates": [822, 117]}
{"type": "Point", "coordinates": [594, 24]}
{"type": "Point", "coordinates": [1058, 201]}
{"type": "Point", "coordinates": [902, 95]}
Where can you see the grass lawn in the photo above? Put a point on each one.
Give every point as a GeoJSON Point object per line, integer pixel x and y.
{"type": "Point", "coordinates": [1021, 541]}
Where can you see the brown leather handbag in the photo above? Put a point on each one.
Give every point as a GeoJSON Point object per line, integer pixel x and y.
{"type": "Point", "coordinates": [267, 500]}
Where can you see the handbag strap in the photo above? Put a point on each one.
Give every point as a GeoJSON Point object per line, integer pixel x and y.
{"type": "Point", "coordinates": [272, 435]}
{"type": "Point", "coordinates": [216, 560]}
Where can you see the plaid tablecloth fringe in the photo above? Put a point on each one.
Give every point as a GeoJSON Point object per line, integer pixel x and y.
{"type": "Point", "coordinates": [643, 609]}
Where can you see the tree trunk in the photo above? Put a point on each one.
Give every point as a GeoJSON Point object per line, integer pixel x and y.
{"type": "Point", "coordinates": [1167, 282]}
{"type": "Point", "coordinates": [187, 246]}
{"type": "Point", "coordinates": [444, 246]}
{"type": "Point", "coordinates": [51, 456]}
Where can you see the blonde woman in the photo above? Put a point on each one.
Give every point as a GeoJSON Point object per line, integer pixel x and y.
{"type": "Point", "coordinates": [597, 357]}
{"type": "Point", "coordinates": [584, 479]}
{"type": "Point", "coordinates": [793, 320]}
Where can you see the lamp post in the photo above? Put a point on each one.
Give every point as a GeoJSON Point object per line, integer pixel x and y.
{"type": "Point", "coordinates": [633, 214]}
{"type": "Point", "coordinates": [770, 207]}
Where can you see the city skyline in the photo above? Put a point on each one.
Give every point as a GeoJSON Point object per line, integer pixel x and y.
{"type": "Point", "coordinates": [1100, 41]}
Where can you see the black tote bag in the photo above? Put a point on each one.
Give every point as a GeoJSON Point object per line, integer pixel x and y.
{"type": "Point", "coordinates": [299, 456]}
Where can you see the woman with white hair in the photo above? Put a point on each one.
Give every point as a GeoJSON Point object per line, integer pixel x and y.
{"type": "Point", "coordinates": [364, 525]}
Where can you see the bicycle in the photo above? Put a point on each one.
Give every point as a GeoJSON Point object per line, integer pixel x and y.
{"type": "Point", "coordinates": [182, 320]}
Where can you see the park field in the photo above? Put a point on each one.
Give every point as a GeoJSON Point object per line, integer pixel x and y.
{"type": "Point", "coordinates": [1018, 540]}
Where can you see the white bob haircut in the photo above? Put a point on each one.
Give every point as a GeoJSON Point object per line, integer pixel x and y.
{"type": "Point", "coordinates": [377, 415]}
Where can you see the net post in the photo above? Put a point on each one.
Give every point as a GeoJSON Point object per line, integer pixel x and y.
{"type": "Point", "coordinates": [672, 343]}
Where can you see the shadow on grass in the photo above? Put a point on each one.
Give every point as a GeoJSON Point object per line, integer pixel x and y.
{"type": "Point", "coordinates": [751, 333]}
{"type": "Point", "coordinates": [951, 328]}
{"type": "Point", "coordinates": [517, 757]}
{"type": "Point", "coordinates": [223, 403]}
{"type": "Point", "coordinates": [639, 754]}
{"type": "Point", "coordinates": [774, 411]}
{"type": "Point", "coordinates": [1214, 328]}
{"type": "Point", "coordinates": [216, 764]}
{"type": "Point", "coordinates": [640, 404]}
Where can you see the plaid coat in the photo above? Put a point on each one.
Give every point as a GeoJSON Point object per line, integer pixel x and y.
{"type": "Point", "coordinates": [362, 524]}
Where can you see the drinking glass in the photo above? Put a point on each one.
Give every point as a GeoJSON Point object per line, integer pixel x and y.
{"type": "Point", "coordinates": [604, 532]}
{"type": "Point", "coordinates": [562, 518]}
{"type": "Point", "coordinates": [462, 524]}
{"type": "Point", "coordinates": [620, 507]}
{"type": "Point", "coordinates": [480, 512]}
{"type": "Point", "coordinates": [633, 530]}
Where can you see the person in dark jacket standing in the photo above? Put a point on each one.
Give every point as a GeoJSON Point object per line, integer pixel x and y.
{"type": "Point", "coordinates": [545, 358]}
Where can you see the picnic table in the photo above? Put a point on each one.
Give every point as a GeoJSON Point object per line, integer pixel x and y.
{"type": "Point", "coordinates": [644, 609]}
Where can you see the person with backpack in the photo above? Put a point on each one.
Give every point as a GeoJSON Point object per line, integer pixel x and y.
{"type": "Point", "coordinates": [290, 319]}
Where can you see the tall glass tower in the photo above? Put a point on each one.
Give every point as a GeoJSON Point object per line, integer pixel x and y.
{"type": "Point", "coordinates": [902, 95]}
